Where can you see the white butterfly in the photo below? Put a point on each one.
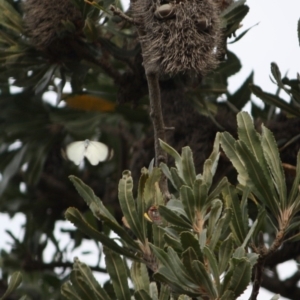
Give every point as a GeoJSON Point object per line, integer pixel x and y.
{"type": "Point", "coordinates": [94, 151]}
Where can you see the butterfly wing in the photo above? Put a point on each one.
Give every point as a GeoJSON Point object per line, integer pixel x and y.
{"type": "Point", "coordinates": [76, 151]}
{"type": "Point", "coordinates": [96, 152]}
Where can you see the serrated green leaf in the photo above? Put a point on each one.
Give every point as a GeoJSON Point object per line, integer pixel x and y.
{"type": "Point", "coordinates": [165, 276]}
{"type": "Point", "coordinates": [174, 266]}
{"type": "Point", "coordinates": [164, 292]}
{"type": "Point", "coordinates": [176, 179]}
{"type": "Point", "coordinates": [213, 266]}
{"type": "Point", "coordinates": [228, 144]}
{"type": "Point", "coordinates": [217, 190]}
{"type": "Point", "coordinates": [250, 234]}
{"type": "Point", "coordinates": [173, 218]}
{"type": "Point", "coordinates": [241, 277]}
{"type": "Point", "coordinates": [237, 223]}
{"type": "Point", "coordinates": [14, 282]}
{"type": "Point", "coordinates": [249, 136]}
{"type": "Point", "coordinates": [274, 100]}
{"type": "Point", "coordinates": [153, 291]}
{"type": "Point", "coordinates": [203, 279]}
{"type": "Point", "coordinates": [221, 226]}
{"type": "Point", "coordinates": [233, 15]}
{"type": "Point", "coordinates": [171, 151]}
{"type": "Point", "coordinates": [274, 162]}
{"type": "Point", "coordinates": [188, 167]}
{"type": "Point", "coordinates": [176, 206]}
{"type": "Point", "coordinates": [90, 280]}
{"type": "Point", "coordinates": [166, 171]}
{"type": "Point", "coordinates": [228, 295]}
{"type": "Point", "coordinates": [259, 183]}
{"type": "Point", "coordinates": [181, 273]}
{"type": "Point", "coordinates": [127, 204]}
{"type": "Point", "coordinates": [188, 240]}
{"type": "Point", "coordinates": [74, 216]}
{"type": "Point", "coordinates": [158, 236]}
{"type": "Point", "coordinates": [81, 287]}
{"type": "Point", "coordinates": [142, 295]}
{"type": "Point", "coordinates": [141, 207]}
{"type": "Point", "coordinates": [150, 190]}
{"type": "Point", "coordinates": [139, 276]}
{"type": "Point", "coordinates": [201, 195]}
{"type": "Point", "coordinates": [188, 201]}
{"type": "Point", "coordinates": [118, 274]}
{"type": "Point", "coordinates": [187, 257]}
{"type": "Point", "coordinates": [100, 211]}
{"type": "Point", "coordinates": [207, 173]}
{"type": "Point", "coordinates": [215, 213]}
{"type": "Point", "coordinates": [225, 252]}
{"type": "Point", "coordinates": [239, 253]}
{"type": "Point", "coordinates": [172, 242]}
{"type": "Point", "coordinates": [69, 292]}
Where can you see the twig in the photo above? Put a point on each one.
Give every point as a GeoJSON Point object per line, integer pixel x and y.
{"type": "Point", "coordinates": [264, 253]}
{"type": "Point", "coordinates": [116, 11]}
{"type": "Point", "coordinates": [158, 126]}
{"type": "Point", "coordinates": [152, 75]}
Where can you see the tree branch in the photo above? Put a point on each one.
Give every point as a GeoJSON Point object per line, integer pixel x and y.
{"type": "Point", "coordinates": [158, 126]}
{"type": "Point", "coordinates": [264, 253]}
{"type": "Point", "coordinates": [116, 11]}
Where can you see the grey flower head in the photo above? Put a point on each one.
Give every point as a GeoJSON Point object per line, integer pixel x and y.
{"type": "Point", "coordinates": [44, 24]}
{"type": "Point", "coordinates": [179, 36]}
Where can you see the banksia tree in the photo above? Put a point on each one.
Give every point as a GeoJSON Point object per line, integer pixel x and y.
{"type": "Point", "coordinates": [198, 222]}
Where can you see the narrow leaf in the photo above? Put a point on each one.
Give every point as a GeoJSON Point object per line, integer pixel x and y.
{"type": "Point", "coordinates": [203, 279]}
{"type": "Point", "coordinates": [188, 167]}
{"type": "Point", "coordinates": [274, 100]}
{"type": "Point", "coordinates": [237, 223]}
{"type": "Point", "coordinates": [228, 144]}
{"type": "Point", "coordinates": [15, 281]}
{"type": "Point", "coordinates": [74, 216]}
{"type": "Point", "coordinates": [213, 266]}
{"type": "Point", "coordinates": [173, 218]}
{"type": "Point", "coordinates": [188, 201]}
{"type": "Point", "coordinates": [225, 252]}
{"type": "Point", "coordinates": [241, 277]}
{"type": "Point", "coordinates": [118, 273]}
{"type": "Point", "coordinates": [274, 162]}
{"type": "Point", "coordinates": [171, 151]}
{"type": "Point", "coordinates": [127, 204]}
{"type": "Point", "coordinates": [142, 295]}
{"type": "Point", "coordinates": [259, 180]}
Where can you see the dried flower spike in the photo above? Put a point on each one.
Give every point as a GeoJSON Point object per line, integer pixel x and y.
{"type": "Point", "coordinates": [53, 25]}
{"type": "Point", "coordinates": [180, 36]}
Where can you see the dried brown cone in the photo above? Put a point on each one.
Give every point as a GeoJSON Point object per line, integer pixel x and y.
{"type": "Point", "coordinates": [44, 25]}
{"type": "Point", "coordinates": [185, 38]}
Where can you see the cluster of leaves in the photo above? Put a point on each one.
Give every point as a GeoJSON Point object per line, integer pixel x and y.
{"type": "Point", "coordinates": [197, 244]}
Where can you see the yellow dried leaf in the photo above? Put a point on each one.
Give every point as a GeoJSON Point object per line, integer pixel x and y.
{"type": "Point", "coordinates": [89, 102]}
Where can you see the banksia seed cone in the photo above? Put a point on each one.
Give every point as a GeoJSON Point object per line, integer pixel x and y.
{"type": "Point", "coordinates": [44, 21]}
{"type": "Point", "coordinates": [179, 36]}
